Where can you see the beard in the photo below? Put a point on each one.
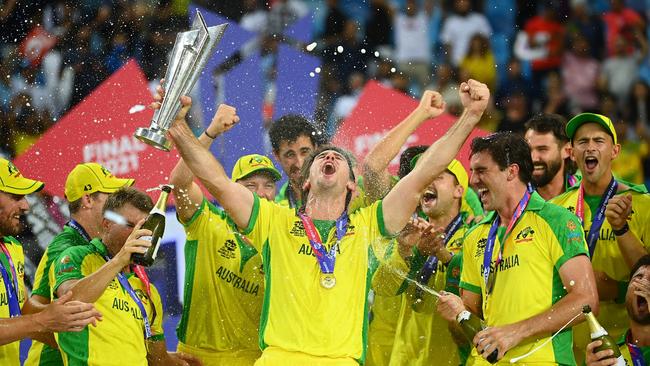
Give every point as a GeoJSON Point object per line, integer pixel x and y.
{"type": "Point", "coordinates": [639, 319]}
{"type": "Point", "coordinates": [550, 170]}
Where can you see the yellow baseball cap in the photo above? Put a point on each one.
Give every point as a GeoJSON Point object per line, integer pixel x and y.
{"type": "Point", "coordinates": [249, 164]}
{"type": "Point", "coordinates": [582, 118]}
{"type": "Point", "coordinates": [89, 178]}
{"type": "Point", "coordinates": [455, 168]}
{"type": "Point", "coordinates": [12, 181]}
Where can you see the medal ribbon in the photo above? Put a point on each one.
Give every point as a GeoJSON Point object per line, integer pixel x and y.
{"type": "Point", "coordinates": [571, 181]}
{"type": "Point", "coordinates": [492, 235]}
{"type": "Point", "coordinates": [635, 351]}
{"type": "Point", "coordinates": [75, 225]}
{"type": "Point", "coordinates": [127, 286]}
{"type": "Point", "coordinates": [431, 264]}
{"type": "Point", "coordinates": [599, 218]}
{"type": "Point", "coordinates": [10, 286]}
{"type": "Point", "coordinates": [326, 261]}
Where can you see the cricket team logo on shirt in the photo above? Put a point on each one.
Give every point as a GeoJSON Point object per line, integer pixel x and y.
{"type": "Point", "coordinates": [114, 285]}
{"type": "Point", "coordinates": [228, 250]}
{"type": "Point", "coordinates": [298, 229]}
{"type": "Point", "coordinates": [525, 235]}
{"type": "Point", "coordinates": [66, 265]}
{"type": "Point", "coordinates": [480, 247]}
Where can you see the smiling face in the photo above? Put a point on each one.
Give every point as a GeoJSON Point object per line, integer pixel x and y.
{"type": "Point", "coordinates": [488, 179]}
{"type": "Point", "coordinates": [441, 195]}
{"type": "Point", "coordinates": [637, 306]}
{"type": "Point", "coordinates": [548, 156]}
{"type": "Point", "coordinates": [593, 152]}
{"type": "Point", "coordinates": [12, 207]}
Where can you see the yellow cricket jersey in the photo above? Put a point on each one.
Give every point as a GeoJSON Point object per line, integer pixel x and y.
{"type": "Point", "coordinates": [41, 354]}
{"type": "Point", "coordinates": [358, 201]}
{"type": "Point", "coordinates": [528, 281]}
{"type": "Point", "coordinates": [607, 255]}
{"type": "Point", "coordinates": [381, 331]}
{"type": "Point", "coordinates": [119, 338]}
{"type": "Point", "coordinates": [423, 338]}
{"type": "Point", "coordinates": [224, 288]}
{"type": "Point", "coordinates": [299, 315]}
{"type": "Point", "coordinates": [625, 350]}
{"type": "Point", "coordinates": [10, 353]}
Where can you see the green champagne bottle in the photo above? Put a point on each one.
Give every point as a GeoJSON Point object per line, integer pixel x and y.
{"type": "Point", "coordinates": [472, 324]}
{"type": "Point", "coordinates": [598, 333]}
{"type": "Point", "coordinates": [156, 223]}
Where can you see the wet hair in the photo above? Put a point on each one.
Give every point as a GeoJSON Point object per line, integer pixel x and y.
{"type": "Point", "coordinates": [407, 156]}
{"type": "Point", "coordinates": [506, 148]}
{"type": "Point", "coordinates": [290, 128]}
{"type": "Point", "coordinates": [135, 197]}
{"type": "Point", "coordinates": [643, 261]}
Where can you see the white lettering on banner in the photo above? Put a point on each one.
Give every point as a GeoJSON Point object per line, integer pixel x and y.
{"type": "Point", "coordinates": [363, 143]}
{"type": "Point", "coordinates": [119, 154]}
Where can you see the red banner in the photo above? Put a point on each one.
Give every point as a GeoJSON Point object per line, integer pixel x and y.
{"type": "Point", "coordinates": [379, 109]}
{"type": "Point", "coordinates": [100, 129]}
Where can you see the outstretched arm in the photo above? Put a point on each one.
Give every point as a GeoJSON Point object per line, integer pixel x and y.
{"type": "Point", "coordinates": [402, 200]}
{"type": "Point", "coordinates": [236, 199]}
{"type": "Point", "coordinates": [375, 165]}
{"type": "Point", "coordinates": [187, 193]}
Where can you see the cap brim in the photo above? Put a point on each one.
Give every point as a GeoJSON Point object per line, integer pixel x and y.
{"type": "Point", "coordinates": [577, 121]}
{"type": "Point", "coordinates": [23, 186]}
{"type": "Point", "coordinates": [274, 172]}
{"type": "Point", "coordinates": [116, 184]}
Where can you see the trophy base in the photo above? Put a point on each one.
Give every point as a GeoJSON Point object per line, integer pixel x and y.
{"type": "Point", "coordinates": [153, 138]}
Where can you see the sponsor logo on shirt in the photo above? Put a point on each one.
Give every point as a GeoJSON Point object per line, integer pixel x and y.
{"type": "Point", "coordinates": [480, 247]}
{"type": "Point", "coordinates": [298, 229]}
{"type": "Point", "coordinates": [66, 265]}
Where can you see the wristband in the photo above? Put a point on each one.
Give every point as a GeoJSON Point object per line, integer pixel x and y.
{"type": "Point", "coordinates": [622, 230]}
{"type": "Point", "coordinates": [207, 134]}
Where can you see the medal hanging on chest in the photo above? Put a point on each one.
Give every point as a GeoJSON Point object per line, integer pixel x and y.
{"type": "Point", "coordinates": [326, 260]}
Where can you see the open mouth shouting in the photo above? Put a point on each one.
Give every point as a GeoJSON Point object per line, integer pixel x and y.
{"type": "Point", "coordinates": [429, 197]}
{"type": "Point", "coordinates": [642, 306]}
{"type": "Point", "coordinates": [328, 168]}
{"type": "Point", "coordinates": [591, 163]}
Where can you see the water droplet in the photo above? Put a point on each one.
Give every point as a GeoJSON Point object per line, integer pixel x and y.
{"type": "Point", "coordinates": [310, 47]}
{"type": "Point", "coordinates": [339, 49]}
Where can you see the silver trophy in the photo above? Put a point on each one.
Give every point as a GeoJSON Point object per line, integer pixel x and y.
{"type": "Point", "coordinates": [190, 54]}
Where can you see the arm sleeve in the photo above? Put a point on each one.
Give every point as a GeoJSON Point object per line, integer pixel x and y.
{"type": "Point", "coordinates": [157, 332]}
{"type": "Point", "coordinates": [68, 267]}
{"type": "Point", "coordinates": [570, 239]}
{"type": "Point", "coordinates": [259, 224]}
{"type": "Point", "coordinates": [41, 278]}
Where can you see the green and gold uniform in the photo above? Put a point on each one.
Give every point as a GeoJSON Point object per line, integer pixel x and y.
{"type": "Point", "coordinates": [10, 353]}
{"type": "Point", "coordinates": [41, 354]}
{"type": "Point", "coordinates": [423, 337]}
{"type": "Point", "coordinates": [286, 197]}
{"type": "Point", "coordinates": [302, 322]}
{"type": "Point", "coordinates": [119, 338]}
{"type": "Point", "coordinates": [528, 281]}
{"type": "Point", "coordinates": [224, 288]}
{"type": "Point", "coordinates": [607, 256]}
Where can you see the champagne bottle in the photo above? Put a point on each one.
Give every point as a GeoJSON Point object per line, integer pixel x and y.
{"type": "Point", "coordinates": [472, 324]}
{"type": "Point", "coordinates": [156, 223]}
{"type": "Point", "coordinates": [598, 333]}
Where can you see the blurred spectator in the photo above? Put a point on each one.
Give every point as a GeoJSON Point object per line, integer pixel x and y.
{"type": "Point", "coordinates": [580, 72]}
{"type": "Point", "coordinates": [458, 29]}
{"type": "Point", "coordinates": [346, 54]}
{"type": "Point", "coordinates": [589, 25]}
{"type": "Point", "coordinates": [544, 32]}
{"type": "Point", "coordinates": [479, 62]}
{"type": "Point", "coordinates": [334, 23]}
{"type": "Point", "coordinates": [629, 163]}
{"type": "Point", "coordinates": [284, 13]}
{"type": "Point", "coordinates": [516, 113]}
{"type": "Point", "coordinates": [346, 103]}
{"type": "Point", "coordinates": [446, 83]}
{"type": "Point", "coordinates": [620, 70]}
{"type": "Point", "coordinates": [621, 22]}
{"type": "Point", "coordinates": [412, 47]}
{"type": "Point", "coordinates": [26, 123]}
{"type": "Point", "coordinates": [513, 83]}
{"type": "Point", "coordinates": [555, 99]}
{"type": "Point", "coordinates": [379, 25]}
{"type": "Point", "coordinates": [638, 107]}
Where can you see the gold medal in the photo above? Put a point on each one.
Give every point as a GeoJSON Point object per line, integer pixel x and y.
{"type": "Point", "coordinates": [327, 280]}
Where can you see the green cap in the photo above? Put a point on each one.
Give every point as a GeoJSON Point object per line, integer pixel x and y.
{"type": "Point", "coordinates": [582, 118]}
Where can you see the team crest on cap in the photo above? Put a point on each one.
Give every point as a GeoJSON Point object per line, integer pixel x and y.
{"type": "Point", "coordinates": [106, 172]}
{"type": "Point", "coordinates": [12, 169]}
{"type": "Point", "coordinates": [256, 161]}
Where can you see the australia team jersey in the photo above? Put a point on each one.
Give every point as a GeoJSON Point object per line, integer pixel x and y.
{"type": "Point", "coordinates": [299, 315]}
{"type": "Point", "coordinates": [283, 197]}
{"type": "Point", "coordinates": [423, 337]}
{"type": "Point", "coordinates": [119, 338]}
{"type": "Point", "coordinates": [607, 256]}
{"type": "Point", "coordinates": [625, 351]}
{"type": "Point", "coordinates": [41, 354]}
{"type": "Point", "coordinates": [224, 288]}
{"type": "Point", "coordinates": [542, 240]}
{"type": "Point", "coordinates": [10, 353]}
